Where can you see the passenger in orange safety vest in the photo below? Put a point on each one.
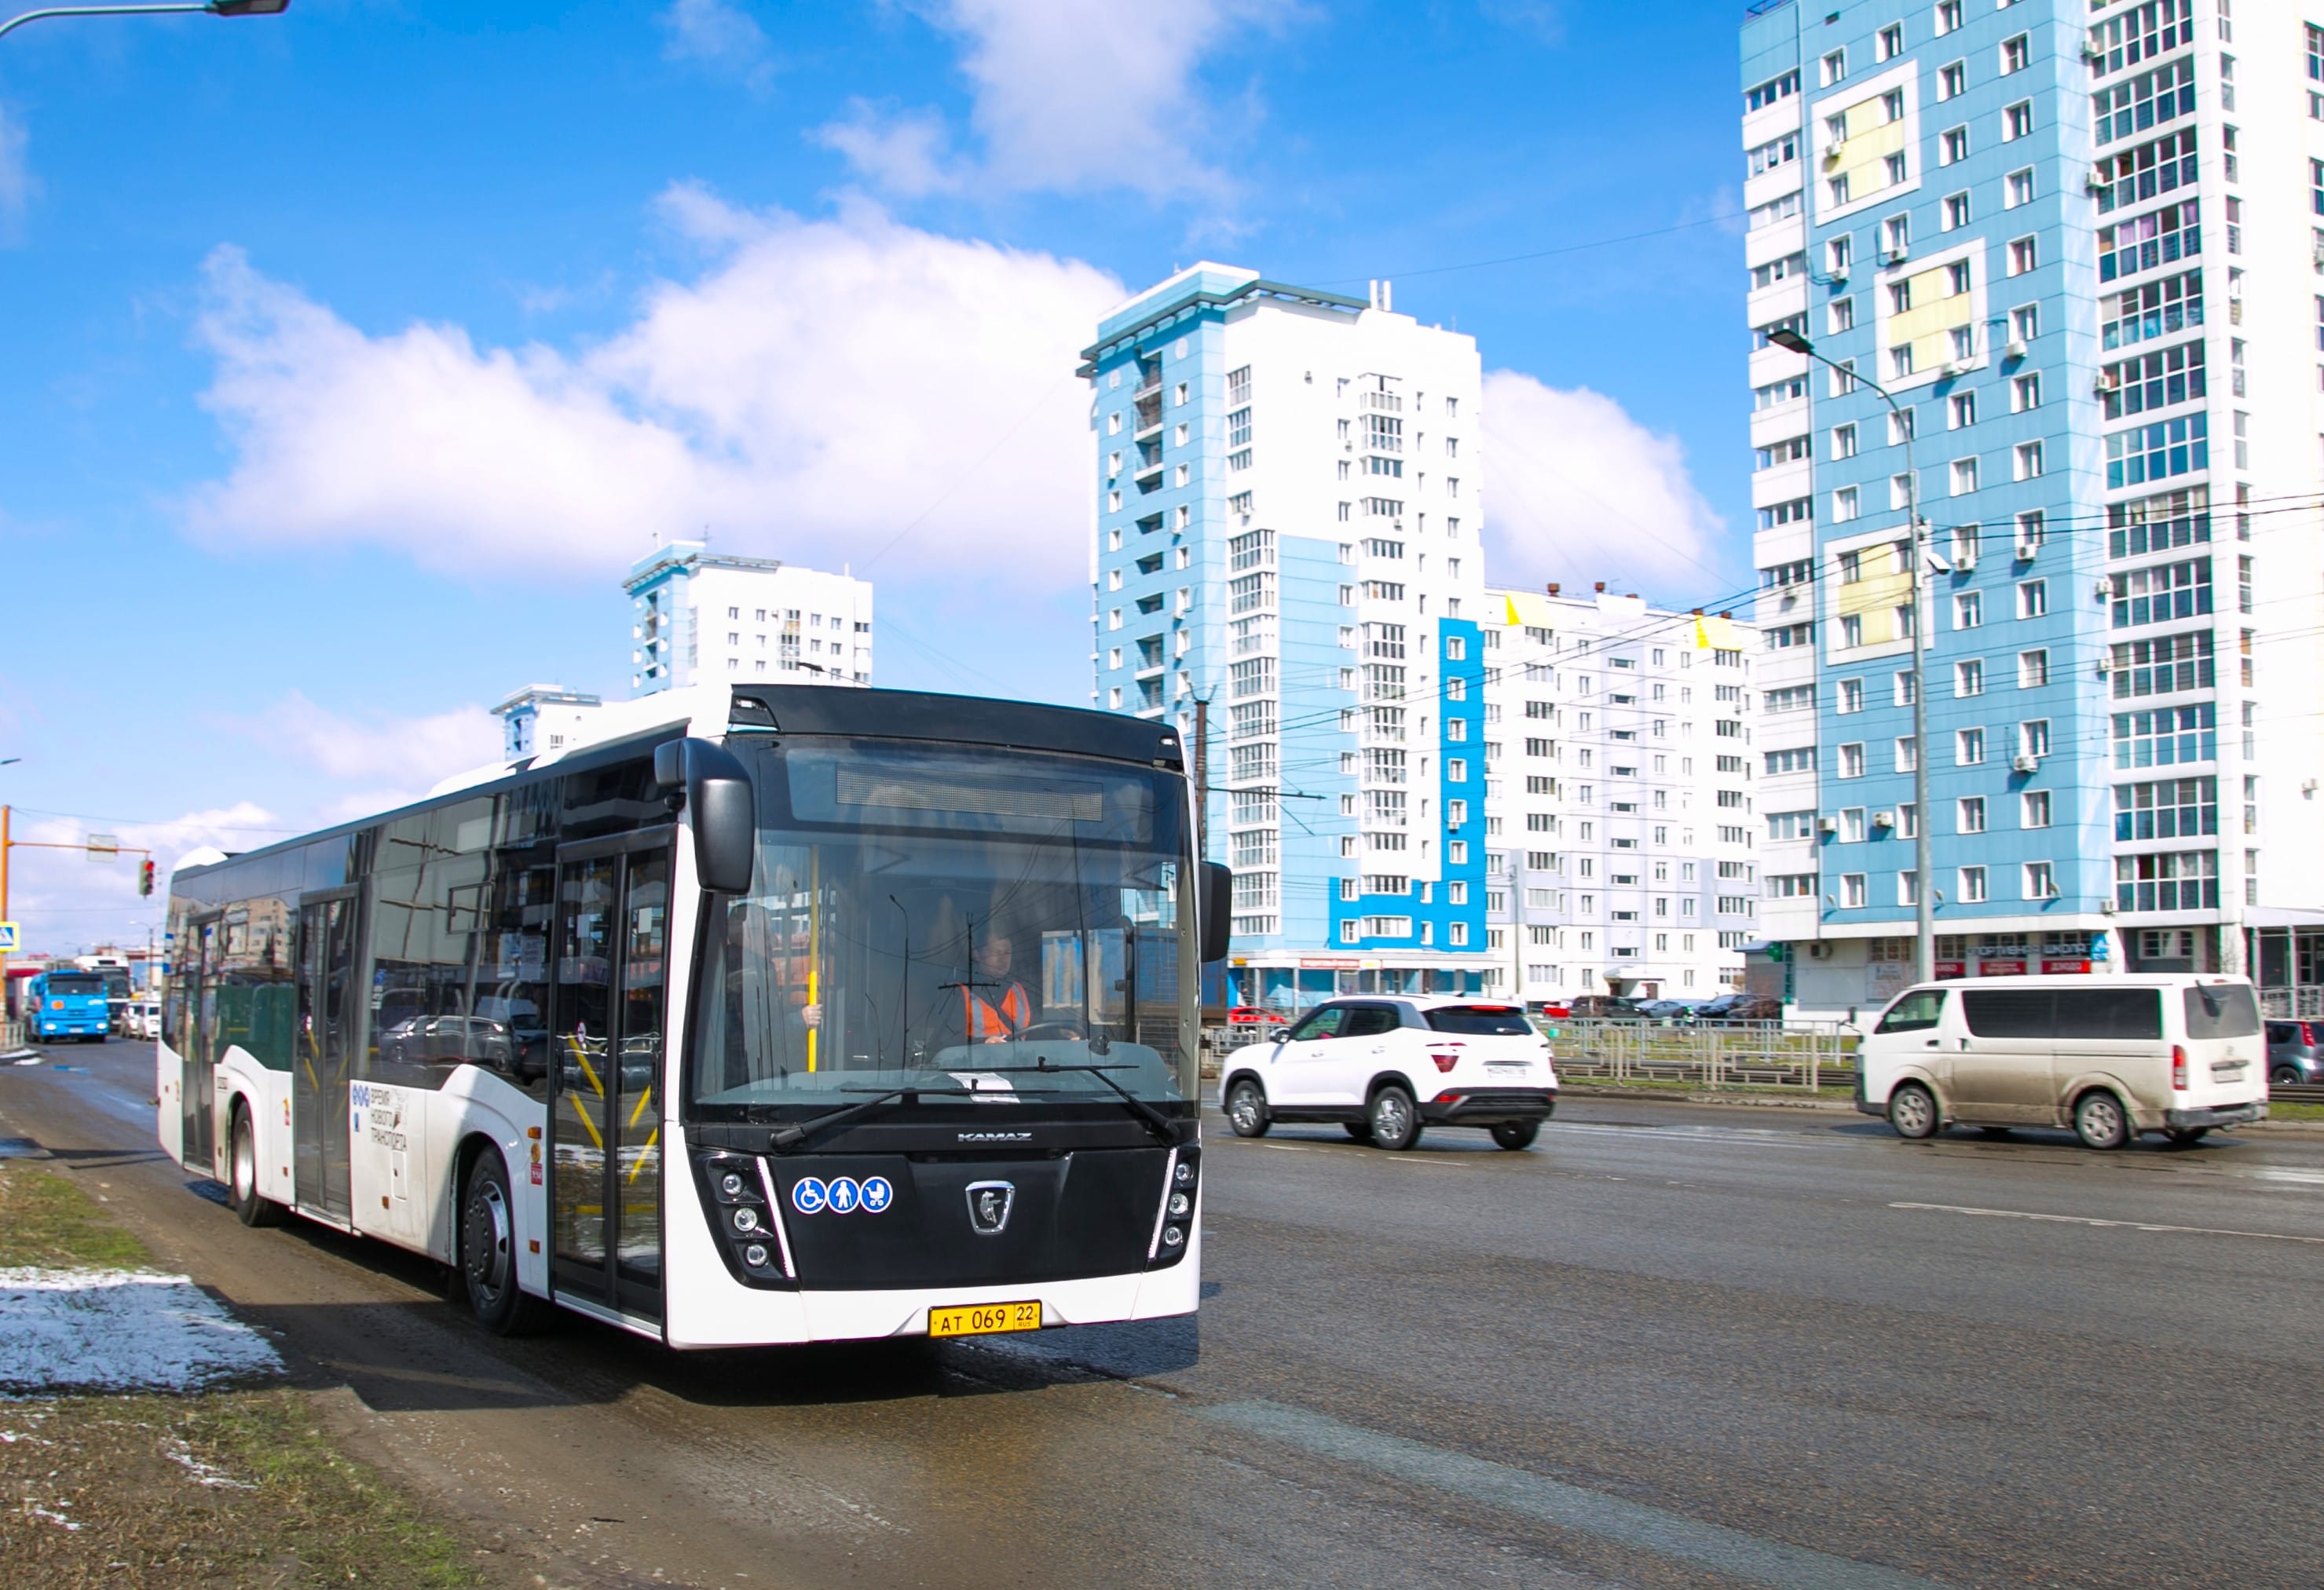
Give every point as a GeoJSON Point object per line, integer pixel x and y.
{"type": "Point", "coordinates": [993, 1008]}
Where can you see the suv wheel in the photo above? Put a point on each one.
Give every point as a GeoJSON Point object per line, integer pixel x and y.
{"type": "Point", "coordinates": [1517, 1135]}
{"type": "Point", "coordinates": [1913, 1112]}
{"type": "Point", "coordinates": [1362, 1131]}
{"type": "Point", "coordinates": [1247, 1109]}
{"type": "Point", "coordinates": [2284, 1076]}
{"type": "Point", "coordinates": [1395, 1120]}
{"type": "Point", "coordinates": [2100, 1121]}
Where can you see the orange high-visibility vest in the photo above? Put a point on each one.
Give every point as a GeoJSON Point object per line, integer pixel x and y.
{"type": "Point", "coordinates": [984, 1020]}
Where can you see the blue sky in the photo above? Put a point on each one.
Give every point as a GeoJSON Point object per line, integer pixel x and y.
{"type": "Point", "coordinates": [352, 353]}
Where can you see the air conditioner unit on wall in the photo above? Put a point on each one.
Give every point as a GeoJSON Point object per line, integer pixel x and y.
{"type": "Point", "coordinates": [1819, 950]}
{"type": "Point", "coordinates": [2026, 763]}
{"type": "Point", "coordinates": [1827, 825]}
{"type": "Point", "coordinates": [2015, 348]}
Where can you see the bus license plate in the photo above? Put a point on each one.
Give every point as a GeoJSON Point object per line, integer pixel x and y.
{"type": "Point", "coordinates": [984, 1319]}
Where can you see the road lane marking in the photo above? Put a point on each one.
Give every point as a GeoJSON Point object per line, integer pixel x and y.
{"type": "Point", "coordinates": [1949, 1209]}
{"type": "Point", "coordinates": [1567, 1507]}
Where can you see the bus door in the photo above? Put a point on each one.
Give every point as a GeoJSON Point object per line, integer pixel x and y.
{"type": "Point", "coordinates": [611, 995]}
{"type": "Point", "coordinates": [325, 1049]}
{"type": "Point", "coordinates": [197, 1149]}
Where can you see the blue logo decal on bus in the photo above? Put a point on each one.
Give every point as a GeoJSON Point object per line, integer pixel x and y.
{"type": "Point", "coordinates": [877, 1195]}
{"type": "Point", "coordinates": [844, 1195]}
{"type": "Point", "coordinates": [808, 1195]}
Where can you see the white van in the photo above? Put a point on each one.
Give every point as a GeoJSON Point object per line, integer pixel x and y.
{"type": "Point", "coordinates": [2112, 1057]}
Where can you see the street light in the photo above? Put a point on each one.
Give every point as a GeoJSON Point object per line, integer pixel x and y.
{"type": "Point", "coordinates": [214, 7]}
{"type": "Point", "coordinates": [1924, 883]}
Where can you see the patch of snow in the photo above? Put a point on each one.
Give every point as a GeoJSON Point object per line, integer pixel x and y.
{"type": "Point", "coordinates": [54, 1518]}
{"type": "Point", "coordinates": [119, 1331]}
{"type": "Point", "coordinates": [205, 1474]}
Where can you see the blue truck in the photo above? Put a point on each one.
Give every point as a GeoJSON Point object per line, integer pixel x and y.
{"type": "Point", "coordinates": [68, 1003]}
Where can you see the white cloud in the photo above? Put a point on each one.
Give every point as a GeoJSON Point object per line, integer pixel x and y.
{"type": "Point", "coordinates": [1069, 95]}
{"type": "Point", "coordinates": [16, 184]}
{"type": "Point", "coordinates": [817, 389]}
{"type": "Point", "coordinates": [719, 35]}
{"type": "Point", "coordinates": [1579, 491]}
{"type": "Point", "coordinates": [411, 753]}
{"type": "Point", "coordinates": [905, 154]}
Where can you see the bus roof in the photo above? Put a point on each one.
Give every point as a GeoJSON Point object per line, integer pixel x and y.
{"type": "Point", "coordinates": [756, 709]}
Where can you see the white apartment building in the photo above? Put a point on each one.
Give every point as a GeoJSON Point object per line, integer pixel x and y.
{"type": "Point", "coordinates": [705, 617]}
{"type": "Point", "coordinates": [544, 718]}
{"type": "Point", "coordinates": [1288, 488]}
{"type": "Point", "coordinates": [1619, 814]}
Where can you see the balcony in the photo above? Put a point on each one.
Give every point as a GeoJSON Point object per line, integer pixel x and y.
{"type": "Point", "coordinates": [1383, 402]}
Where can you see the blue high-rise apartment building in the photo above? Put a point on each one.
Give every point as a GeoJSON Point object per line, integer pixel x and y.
{"type": "Point", "coordinates": [1287, 550]}
{"type": "Point", "coordinates": [2083, 246]}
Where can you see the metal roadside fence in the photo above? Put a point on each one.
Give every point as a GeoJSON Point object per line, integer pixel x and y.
{"type": "Point", "coordinates": [1706, 1054]}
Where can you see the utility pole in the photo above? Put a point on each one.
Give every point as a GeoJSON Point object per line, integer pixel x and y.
{"type": "Point", "coordinates": [1516, 928]}
{"type": "Point", "coordinates": [1202, 778]}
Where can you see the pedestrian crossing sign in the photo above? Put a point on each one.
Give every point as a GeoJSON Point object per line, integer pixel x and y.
{"type": "Point", "coordinates": [7, 937]}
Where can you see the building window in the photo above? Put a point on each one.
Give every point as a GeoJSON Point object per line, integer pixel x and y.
{"type": "Point", "coordinates": [1851, 761]}
{"type": "Point", "coordinates": [2023, 256]}
{"type": "Point", "coordinates": [2033, 809]}
{"type": "Point", "coordinates": [1953, 79]}
{"type": "Point", "coordinates": [1961, 412]}
{"type": "Point", "coordinates": [2033, 599]}
{"type": "Point", "coordinates": [1972, 886]}
{"type": "Point", "coordinates": [2026, 461]}
{"type": "Point", "coordinates": [2017, 54]}
{"type": "Point", "coordinates": [1835, 67]}
{"type": "Point", "coordinates": [1952, 146]}
{"type": "Point", "coordinates": [1968, 610]}
{"type": "Point", "coordinates": [2173, 881]}
{"type": "Point", "coordinates": [1969, 747]}
{"type": "Point", "coordinates": [1964, 476]}
{"type": "Point", "coordinates": [2041, 881]}
{"type": "Point", "coordinates": [2017, 189]}
{"type": "Point", "coordinates": [1844, 505]}
{"type": "Point", "coordinates": [1968, 677]}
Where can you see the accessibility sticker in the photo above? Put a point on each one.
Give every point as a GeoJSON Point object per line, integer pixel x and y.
{"type": "Point", "coordinates": [877, 1195]}
{"type": "Point", "coordinates": [808, 1195]}
{"type": "Point", "coordinates": [844, 1195]}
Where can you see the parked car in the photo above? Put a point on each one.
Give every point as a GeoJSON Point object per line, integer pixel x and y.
{"type": "Point", "coordinates": [2293, 1054]}
{"type": "Point", "coordinates": [2112, 1057]}
{"type": "Point", "coordinates": [1255, 1016]}
{"type": "Point", "coordinates": [1745, 1007]}
{"type": "Point", "coordinates": [1666, 1009]}
{"type": "Point", "coordinates": [1386, 1068]}
{"type": "Point", "coordinates": [1554, 1009]}
{"type": "Point", "coordinates": [1604, 1007]}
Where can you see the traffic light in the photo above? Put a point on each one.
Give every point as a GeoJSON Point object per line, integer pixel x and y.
{"type": "Point", "coordinates": [145, 878]}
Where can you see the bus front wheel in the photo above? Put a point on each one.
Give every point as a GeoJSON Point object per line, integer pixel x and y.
{"type": "Point", "coordinates": [488, 1251]}
{"type": "Point", "coordinates": [251, 1207]}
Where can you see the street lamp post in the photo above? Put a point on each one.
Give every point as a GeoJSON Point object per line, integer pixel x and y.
{"type": "Point", "coordinates": [213, 7]}
{"type": "Point", "coordinates": [1924, 955]}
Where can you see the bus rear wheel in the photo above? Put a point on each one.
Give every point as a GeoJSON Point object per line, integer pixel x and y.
{"type": "Point", "coordinates": [488, 1251]}
{"type": "Point", "coordinates": [251, 1207]}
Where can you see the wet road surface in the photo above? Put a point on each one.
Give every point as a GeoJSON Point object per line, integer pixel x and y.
{"type": "Point", "coordinates": [1669, 1346]}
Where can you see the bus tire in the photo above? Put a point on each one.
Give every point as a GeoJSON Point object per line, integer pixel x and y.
{"type": "Point", "coordinates": [488, 1251]}
{"type": "Point", "coordinates": [251, 1207]}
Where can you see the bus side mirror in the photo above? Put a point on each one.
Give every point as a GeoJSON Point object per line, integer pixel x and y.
{"type": "Point", "coordinates": [1218, 910]}
{"type": "Point", "coordinates": [722, 807]}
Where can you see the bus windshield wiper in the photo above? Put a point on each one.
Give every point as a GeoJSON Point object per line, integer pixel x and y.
{"type": "Point", "coordinates": [1155, 1121]}
{"type": "Point", "coordinates": [791, 1134]}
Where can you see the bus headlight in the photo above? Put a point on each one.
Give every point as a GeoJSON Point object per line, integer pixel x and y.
{"type": "Point", "coordinates": [746, 1220]}
{"type": "Point", "coordinates": [755, 1255]}
{"type": "Point", "coordinates": [1181, 1206]}
{"type": "Point", "coordinates": [731, 1185]}
{"type": "Point", "coordinates": [1174, 1238]}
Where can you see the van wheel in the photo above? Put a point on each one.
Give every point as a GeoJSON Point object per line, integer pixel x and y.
{"type": "Point", "coordinates": [251, 1207]}
{"type": "Point", "coordinates": [2187, 1137]}
{"type": "Point", "coordinates": [1517, 1135]}
{"type": "Point", "coordinates": [1394, 1119]}
{"type": "Point", "coordinates": [1247, 1109]}
{"type": "Point", "coordinates": [2100, 1121]}
{"type": "Point", "coordinates": [488, 1253]}
{"type": "Point", "coordinates": [1913, 1112]}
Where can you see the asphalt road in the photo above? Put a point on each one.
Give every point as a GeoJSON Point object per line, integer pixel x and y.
{"type": "Point", "coordinates": [1669, 1346]}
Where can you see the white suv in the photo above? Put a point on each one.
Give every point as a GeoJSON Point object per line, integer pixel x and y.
{"type": "Point", "coordinates": [1385, 1066]}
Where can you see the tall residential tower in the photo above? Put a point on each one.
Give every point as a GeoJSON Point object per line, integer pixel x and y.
{"type": "Point", "coordinates": [1286, 542]}
{"type": "Point", "coordinates": [2079, 245]}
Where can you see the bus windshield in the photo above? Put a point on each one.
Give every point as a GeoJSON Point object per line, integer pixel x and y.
{"type": "Point", "coordinates": [957, 920]}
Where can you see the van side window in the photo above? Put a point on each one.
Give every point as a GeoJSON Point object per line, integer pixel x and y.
{"type": "Point", "coordinates": [1915, 1011]}
{"type": "Point", "coordinates": [2109, 1013]}
{"type": "Point", "coordinates": [2221, 1010]}
{"type": "Point", "coordinates": [2010, 1012]}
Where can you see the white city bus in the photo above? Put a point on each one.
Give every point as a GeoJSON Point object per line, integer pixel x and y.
{"type": "Point", "coordinates": [808, 1013]}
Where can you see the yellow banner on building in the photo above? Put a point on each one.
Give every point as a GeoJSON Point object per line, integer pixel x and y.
{"type": "Point", "coordinates": [1713, 633]}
